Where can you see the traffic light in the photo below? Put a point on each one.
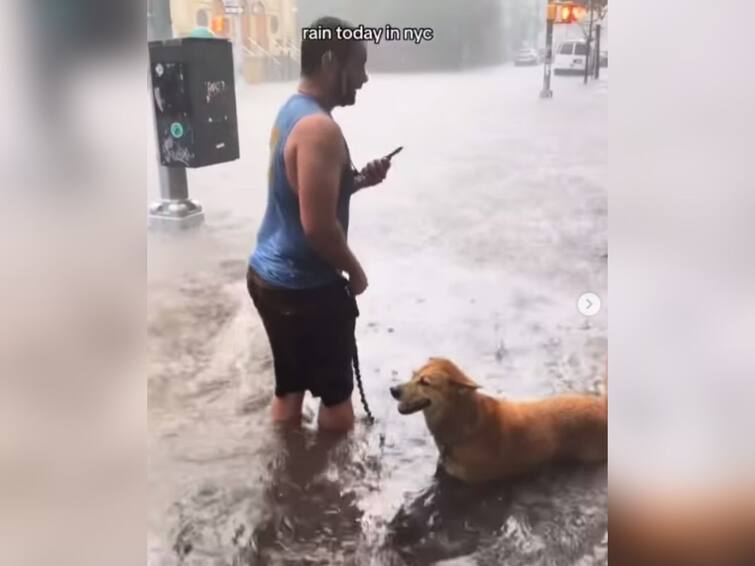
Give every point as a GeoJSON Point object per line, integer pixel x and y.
{"type": "Point", "coordinates": [218, 25]}
{"type": "Point", "coordinates": [565, 12]}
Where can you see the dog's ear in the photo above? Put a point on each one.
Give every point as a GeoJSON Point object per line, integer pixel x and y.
{"type": "Point", "coordinates": [455, 376]}
{"type": "Point", "coordinates": [460, 380]}
{"type": "Point", "coordinates": [464, 384]}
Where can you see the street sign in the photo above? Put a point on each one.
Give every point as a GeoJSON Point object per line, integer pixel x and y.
{"type": "Point", "coordinates": [233, 7]}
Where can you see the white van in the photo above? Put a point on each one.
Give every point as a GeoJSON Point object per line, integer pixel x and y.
{"type": "Point", "coordinates": [570, 57]}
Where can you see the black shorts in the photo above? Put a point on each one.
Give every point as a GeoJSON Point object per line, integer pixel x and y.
{"type": "Point", "coordinates": [311, 334]}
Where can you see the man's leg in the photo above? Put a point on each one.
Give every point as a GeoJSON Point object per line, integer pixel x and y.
{"type": "Point", "coordinates": [282, 333]}
{"type": "Point", "coordinates": [286, 409]}
{"type": "Point", "coordinates": [337, 418]}
{"type": "Point", "coordinates": [336, 382]}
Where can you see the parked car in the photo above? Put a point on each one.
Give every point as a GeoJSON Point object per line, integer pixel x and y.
{"type": "Point", "coordinates": [570, 57]}
{"type": "Point", "coordinates": [526, 57]}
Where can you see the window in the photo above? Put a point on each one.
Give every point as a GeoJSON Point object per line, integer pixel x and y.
{"type": "Point", "coordinates": [580, 49]}
{"type": "Point", "coordinates": [566, 49]}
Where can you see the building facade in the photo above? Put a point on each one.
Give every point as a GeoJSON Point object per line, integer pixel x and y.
{"type": "Point", "coordinates": [264, 33]}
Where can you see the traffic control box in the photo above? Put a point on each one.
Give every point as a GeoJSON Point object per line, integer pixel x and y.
{"type": "Point", "coordinates": [194, 99]}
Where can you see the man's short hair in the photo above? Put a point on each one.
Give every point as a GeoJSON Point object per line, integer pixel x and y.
{"type": "Point", "coordinates": [312, 50]}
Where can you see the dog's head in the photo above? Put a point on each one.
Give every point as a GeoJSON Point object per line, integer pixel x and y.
{"type": "Point", "coordinates": [437, 384]}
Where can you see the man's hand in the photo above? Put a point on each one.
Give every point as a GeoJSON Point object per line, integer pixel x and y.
{"type": "Point", "coordinates": [357, 281]}
{"type": "Point", "coordinates": [373, 173]}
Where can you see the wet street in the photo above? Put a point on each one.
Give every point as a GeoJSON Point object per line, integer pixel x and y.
{"type": "Point", "coordinates": [492, 222]}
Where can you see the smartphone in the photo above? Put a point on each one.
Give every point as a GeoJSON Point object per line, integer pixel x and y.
{"type": "Point", "coordinates": [394, 152]}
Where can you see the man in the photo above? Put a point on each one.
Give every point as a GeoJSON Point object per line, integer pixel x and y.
{"type": "Point", "coordinates": [202, 30]}
{"type": "Point", "coordinates": [295, 273]}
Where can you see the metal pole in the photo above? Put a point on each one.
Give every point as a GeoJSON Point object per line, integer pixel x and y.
{"type": "Point", "coordinates": [236, 13]}
{"type": "Point", "coordinates": [240, 42]}
{"type": "Point", "coordinates": [175, 210]}
{"type": "Point", "coordinates": [597, 50]}
{"type": "Point", "coordinates": [158, 13]}
{"type": "Point", "coordinates": [591, 7]}
{"type": "Point", "coordinates": [547, 92]}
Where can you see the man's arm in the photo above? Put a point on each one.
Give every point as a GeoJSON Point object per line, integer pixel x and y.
{"type": "Point", "coordinates": [320, 155]}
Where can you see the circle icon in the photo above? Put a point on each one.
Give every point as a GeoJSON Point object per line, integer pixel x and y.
{"type": "Point", "coordinates": [588, 304]}
{"type": "Point", "coordinates": [176, 130]}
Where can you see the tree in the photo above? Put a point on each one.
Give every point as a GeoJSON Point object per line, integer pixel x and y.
{"type": "Point", "coordinates": [596, 13]}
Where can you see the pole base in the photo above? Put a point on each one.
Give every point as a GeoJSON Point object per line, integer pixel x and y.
{"type": "Point", "coordinates": [546, 93]}
{"type": "Point", "coordinates": [175, 215]}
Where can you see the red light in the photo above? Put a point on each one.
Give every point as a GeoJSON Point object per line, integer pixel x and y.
{"type": "Point", "coordinates": [218, 24]}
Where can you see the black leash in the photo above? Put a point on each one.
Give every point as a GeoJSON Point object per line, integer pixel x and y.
{"type": "Point", "coordinates": [358, 374]}
{"type": "Point", "coordinates": [355, 360]}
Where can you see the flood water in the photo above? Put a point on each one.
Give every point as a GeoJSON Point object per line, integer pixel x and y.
{"type": "Point", "coordinates": [491, 224]}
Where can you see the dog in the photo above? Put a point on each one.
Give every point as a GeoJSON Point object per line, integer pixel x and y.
{"type": "Point", "coordinates": [482, 439]}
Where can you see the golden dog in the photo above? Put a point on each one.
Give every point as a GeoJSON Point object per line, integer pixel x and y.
{"type": "Point", "coordinates": [481, 438]}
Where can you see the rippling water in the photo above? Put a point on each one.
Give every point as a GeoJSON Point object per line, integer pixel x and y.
{"type": "Point", "coordinates": [492, 223]}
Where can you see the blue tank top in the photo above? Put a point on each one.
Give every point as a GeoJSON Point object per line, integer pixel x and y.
{"type": "Point", "coordinates": [283, 257]}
